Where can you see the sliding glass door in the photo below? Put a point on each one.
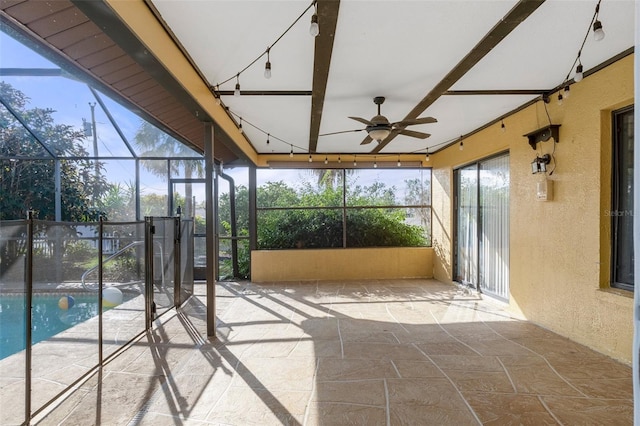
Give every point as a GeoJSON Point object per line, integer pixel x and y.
{"type": "Point", "coordinates": [482, 226]}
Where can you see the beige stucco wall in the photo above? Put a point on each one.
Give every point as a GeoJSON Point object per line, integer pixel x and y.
{"type": "Point", "coordinates": [560, 250]}
{"type": "Point", "coordinates": [341, 264]}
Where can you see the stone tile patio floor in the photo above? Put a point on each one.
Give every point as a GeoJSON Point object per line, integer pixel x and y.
{"type": "Point", "coordinates": [415, 352]}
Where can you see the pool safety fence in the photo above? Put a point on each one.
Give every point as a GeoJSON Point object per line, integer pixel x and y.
{"type": "Point", "coordinates": [111, 281]}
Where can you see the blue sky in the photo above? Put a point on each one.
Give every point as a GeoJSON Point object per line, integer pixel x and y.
{"type": "Point", "coordinates": [71, 100]}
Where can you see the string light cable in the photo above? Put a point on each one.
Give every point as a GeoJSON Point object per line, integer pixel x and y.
{"type": "Point", "coordinates": [596, 26]}
{"type": "Point", "coordinates": [216, 88]}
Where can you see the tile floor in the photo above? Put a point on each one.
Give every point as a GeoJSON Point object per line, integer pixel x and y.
{"type": "Point", "coordinates": [414, 352]}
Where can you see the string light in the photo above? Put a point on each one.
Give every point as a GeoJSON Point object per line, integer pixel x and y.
{"type": "Point", "coordinates": [375, 163]}
{"type": "Point", "coordinates": [268, 136]}
{"type": "Point", "coordinates": [326, 160]}
{"type": "Point", "coordinates": [237, 91]}
{"type": "Point", "coordinates": [579, 75]}
{"type": "Point", "coordinates": [267, 66]}
{"type": "Point", "coordinates": [310, 159]}
{"type": "Point", "coordinates": [399, 163]}
{"type": "Point", "coordinates": [461, 146]}
{"type": "Point", "coordinates": [598, 32]}
{"type": "Point", "coordinates": [218, 100]}
{"type": "Point", "coordinates": [427, 158]}
{"type": "Point", "coordinates": [339, 160]}
{"type": "Point", "coordinates": [502, 126]}
{"type": "Point", "coordinates": [314, 28]}
{"type": "Point", "coordinates": [354, 161]}
{"type": "Point", "coordinates": [240, 125]}
{"type": "Point", "coordinates": [291, 152]}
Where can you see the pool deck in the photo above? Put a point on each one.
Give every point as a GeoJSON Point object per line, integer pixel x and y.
{"type": "Point", "coordinates": [367, 353]}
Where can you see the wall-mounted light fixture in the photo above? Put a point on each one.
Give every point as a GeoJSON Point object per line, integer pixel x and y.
{"type": "Point", "coordinates": [539, 164]}
{"type": "Point", "coordinates": [543, 135]}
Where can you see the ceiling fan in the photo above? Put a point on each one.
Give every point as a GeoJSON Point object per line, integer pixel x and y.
{"type": "Point", "coordinates": [379, 126]}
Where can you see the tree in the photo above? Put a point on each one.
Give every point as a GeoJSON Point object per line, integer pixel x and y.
{"type": "Point", "coordinates": [27, 182]}
{"type": "Point", "coordinates": [157, 143]}
{"type": "Point", "coordinates": [28, 176]}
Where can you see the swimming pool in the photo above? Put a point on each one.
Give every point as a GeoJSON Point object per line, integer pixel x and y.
{"type": "Point", "coordinates": [47, 318]}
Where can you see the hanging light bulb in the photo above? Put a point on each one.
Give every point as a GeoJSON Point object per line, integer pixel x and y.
{"type": "Point", "coordinates": [461, 146]}
{"type": "Point", "coordinates": [427, 159]}
{"type": "Point", "coordinates": [579, 76]}
{"type": "Point", "coordinates": [399, 163]}
{"type": "Point", "coordinates": [375, 163]}
{"type": "Point", "coordinates": [326, 160]}
{"type": "Point", "coordinates": [268, 135]}
{"type": "Point", "coordinates": [598, 32]}
{"type": "Point", "coordinates": [502, 126]}
{"type": "Point", "coordinates": [314, 28]}
{"type": "Point", "coordinates": [567, 91]}
{"type": "Point", "coordinates": [339, 160]}
{"type": "Point", "coordinates": [237, 91]}
{"type": "Point", "coordinates": [291, 152]}
{"type": "Point", "coordinates": [267, 66]}
{"type": "Point", "coordinates": [240, 125]}
{"type": "Point", "coordinates": [355, 164]}
{"type": "Point", "coordinates": [310, 159]}
{"type": "Point", "coordinates": [560, 98]}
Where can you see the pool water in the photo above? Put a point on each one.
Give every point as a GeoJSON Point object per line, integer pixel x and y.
{"type": "Point", "coordinates": [47, 318]}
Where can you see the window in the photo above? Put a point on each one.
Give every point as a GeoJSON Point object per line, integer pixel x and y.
{"type": "Point", "coordinates": [343, 208]}
{"type": "Point", "coordinates": [622, 200]}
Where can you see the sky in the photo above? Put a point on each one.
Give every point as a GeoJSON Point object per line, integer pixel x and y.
{"type": "Point", "coordinates": [72, 101]}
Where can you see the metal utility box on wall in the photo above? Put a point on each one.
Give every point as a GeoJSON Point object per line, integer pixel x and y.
{"type": "Point", "coordinates": [544, 190]}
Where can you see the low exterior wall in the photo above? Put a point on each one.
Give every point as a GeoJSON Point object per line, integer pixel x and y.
{"type": "Point", "coordinates": [341, 264]}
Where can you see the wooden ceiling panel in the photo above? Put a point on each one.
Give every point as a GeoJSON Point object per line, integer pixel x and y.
{"type": "Point", "coordinates": [58, 22]}
{"type": "Point", "coordinates": [152, 96]}
{"type": "Point", "coordinates": [89, 46]}
{"type": "Point", "coordinates": [70, 37]}
{"type": "Point", "coordinates": [168, 109]}
{"type": "Point", "coordinates": [112, 66]}
{"type": "Point", "coordinates": [141, 87]}
{"type": "Point", "coordinates": [132, 81]}
{"type": "Point", "coordinates": [101, 56]}
{"type": "Point", "coordinates": [121, 74]}
{"type": "Point", "coordinates": [31, 11]}
{"type": "Point", "coordinates": [178, 119]}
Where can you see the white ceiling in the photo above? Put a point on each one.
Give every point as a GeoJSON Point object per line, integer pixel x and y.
{"type": "Point", "coordinates": [395, 48]}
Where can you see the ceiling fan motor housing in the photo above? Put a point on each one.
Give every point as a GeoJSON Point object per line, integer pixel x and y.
{"type": "Point", "coordinates": [380, 128]}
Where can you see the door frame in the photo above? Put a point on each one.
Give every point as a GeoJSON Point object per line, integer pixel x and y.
{"type": "Point", "coordinates": [456, 197]}
{"type": "Point", "coordinates": [199, 273]}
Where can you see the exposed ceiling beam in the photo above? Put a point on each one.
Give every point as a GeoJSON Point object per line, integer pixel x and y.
{"type": "Point", "coordinates": [496, 92]}
{"type": "Point", "coordinates": [520, 12]}
{"type": "Point", "coordinates": [267, 93]}
{"type": "Point", "coordinates": [327, 19]}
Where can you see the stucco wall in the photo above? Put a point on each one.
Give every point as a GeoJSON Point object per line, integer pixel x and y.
{"type": "Point", "coordinates": [341, 264]}
{"type": "Point", "coordinates": [560, 250]}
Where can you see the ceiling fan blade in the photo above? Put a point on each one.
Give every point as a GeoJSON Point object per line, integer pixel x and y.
{"type": "Point", "coordinates": [414, 121]}
{"type": "Point", "coordinates": [362, 120]}
{"type": "Point", "coordinates": [366, 140]}
{"type": "Point", "coordinates": [343, 131]}
{"type": "Point", "coordinates": [414, 134]}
